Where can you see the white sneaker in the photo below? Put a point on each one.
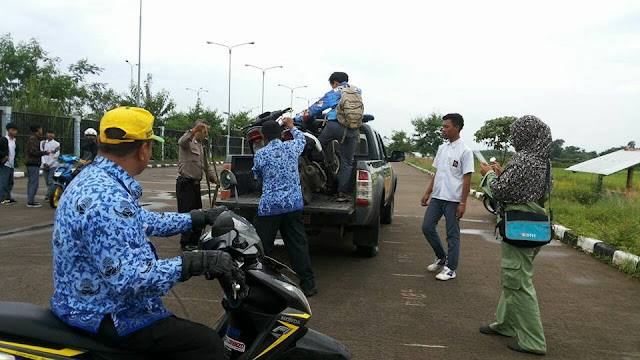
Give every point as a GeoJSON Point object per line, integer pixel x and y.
{"type": "Point", "coordinates": [437, 265]}
{"type": "Point", "coordinates": [446, 274]}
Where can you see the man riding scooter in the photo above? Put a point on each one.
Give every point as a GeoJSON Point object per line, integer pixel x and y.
{"type": "Point", "coordinates": [108, 279]}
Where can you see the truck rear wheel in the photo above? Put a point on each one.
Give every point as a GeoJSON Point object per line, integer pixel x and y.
{"type": "Point", "coordinates": [366, 238]}
{"type": "Point", "coordinates": [387, 212]}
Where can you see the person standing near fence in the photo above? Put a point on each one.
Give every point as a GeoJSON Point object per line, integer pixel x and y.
{"type": "Point", "coordinates": [190, 170]}
{"type": "Point", "coordinates": [33, 159]}
{"type": "Point", "coordinates": [49, 162]}
{"type": "Point", "coordinates": [8, 150]}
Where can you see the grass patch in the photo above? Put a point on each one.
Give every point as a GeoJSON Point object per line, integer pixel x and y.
{"type": "Point", "coordinates": [610, 216]}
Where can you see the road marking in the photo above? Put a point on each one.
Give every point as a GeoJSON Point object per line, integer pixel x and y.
{"type": "Point", "coordinates": [426, 346]}
{"type": "Point", "coordinates": [412, 298]}
{"type": "Point", "coordinates": [408, 275]}
{"type": "Point", "coordinates": [404, 258]}
{"type": "Point", "coordinates": [478, 221]}
{"type": "Point", "coordinates": [394, 242]}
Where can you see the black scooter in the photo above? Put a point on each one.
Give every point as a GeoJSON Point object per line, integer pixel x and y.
{"type": "Point", "coordinates": [269, 322]}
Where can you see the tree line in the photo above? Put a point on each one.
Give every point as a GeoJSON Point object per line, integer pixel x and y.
{"type": "Point", "coordinates": [32, 80]}
{"type": "Point", "coordinates": [495, 134]}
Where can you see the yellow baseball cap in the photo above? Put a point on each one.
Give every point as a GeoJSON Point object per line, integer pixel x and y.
{"type": "Point", "coordinates": [137, 124]}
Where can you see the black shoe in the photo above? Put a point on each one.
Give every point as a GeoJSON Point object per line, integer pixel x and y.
{"type": "Point", "coordinates": [12, 201]}
{"type": "Point", "coordinates": [487, 330]}
{"type": "Point", "coordinates": [34, 204]}
{"type": "Point", "coordinates": [310, 292]}
{"type": "Point", "coordinates": [189, 248]}
{"type": "Point", "coordinates": [342, 197]}
{"type": "Point", "coordinates": [515, 347]}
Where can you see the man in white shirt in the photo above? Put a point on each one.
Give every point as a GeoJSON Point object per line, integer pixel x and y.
{"type": "Point", "coordinates": [8, 150]}
{"type": "Point", "coordinates": [50, 161]}
{"type": "Point", "coordinates": [448, 190]}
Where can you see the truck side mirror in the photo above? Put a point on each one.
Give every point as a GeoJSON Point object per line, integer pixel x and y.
{"type": "Point", "coordinates": [396, 156]}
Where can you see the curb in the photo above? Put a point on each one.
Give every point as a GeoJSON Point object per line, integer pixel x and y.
{"type": "Point", "coordinates": [26, 228]}
{"type": "Point", "coordinates": [21, 174]}
{"type": "Point", "coordinates": [567, 236]}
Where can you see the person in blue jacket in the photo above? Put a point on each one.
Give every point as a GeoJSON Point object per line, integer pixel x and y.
{"type": "Point", "coordinates": [108, 279]}
{"type": "Point", "coordinates": [333, 130]}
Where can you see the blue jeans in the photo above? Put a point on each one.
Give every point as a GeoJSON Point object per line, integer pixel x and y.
{"type": "Point", "coordinates": [6, 182]}
{"type": "Point", "coordinates": [33, 174]}
{"type": "Point", "coordinates": [434, 213]}
{"type": "Point", "coordinates": [48, 178]}
{"type": "Point", "coordinates": [336, 131]}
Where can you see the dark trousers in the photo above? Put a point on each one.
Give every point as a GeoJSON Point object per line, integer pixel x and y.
{"type": "Point", "coordinates": [189, 198]}
{"type": "Point", "coordinates": [168, 338]}
{"type": "Point", "coordinates": [295, 239]}
{"type": "Point", "coordinates": [348, 140]}
{"type": "Point", "coordinates": [6, 182]}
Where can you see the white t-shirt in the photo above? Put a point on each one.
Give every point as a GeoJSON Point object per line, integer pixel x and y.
{"type": "Point", "coordinates": [54, 152]}
{"type": "Point", "coordinates": [453, 160]}
{"type": "Point", "coordinates": [12, 153]}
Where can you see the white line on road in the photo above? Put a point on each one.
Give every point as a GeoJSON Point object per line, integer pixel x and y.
{"type": "Point", "coordinates": [426, 346]}
{"type": "Point", "coordinates": [408, 275]}
{"type": "Point", "coordinates": [394, 242]}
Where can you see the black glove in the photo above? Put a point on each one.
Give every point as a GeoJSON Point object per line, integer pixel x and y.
{"type": "Point", "coordinates": [214, 263]}
{"type": "Point", "coordinates": [202, 218]}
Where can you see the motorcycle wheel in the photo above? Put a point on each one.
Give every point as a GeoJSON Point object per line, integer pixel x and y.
{"type": "Point", "coordinates": [55, 199]}
{"type": "Point", "coordinates": [307, 191]}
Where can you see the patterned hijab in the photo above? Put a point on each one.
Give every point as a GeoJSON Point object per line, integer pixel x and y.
{"type": "Point", "coordinates": [525, 177]}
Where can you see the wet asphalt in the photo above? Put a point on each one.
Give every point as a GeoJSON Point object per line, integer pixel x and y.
{"type": "Point", "coordinates": [388, 307]}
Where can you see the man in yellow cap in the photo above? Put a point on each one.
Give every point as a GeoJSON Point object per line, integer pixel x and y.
{"type": "Point", "coordinates": [108, 279]}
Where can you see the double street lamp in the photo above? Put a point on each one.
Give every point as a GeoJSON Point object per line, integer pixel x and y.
{"type": "Point", "coordinates": [198, 92]}
{"type": "Point", "coordinates": [131, 66]}
{"type": "Point", "coordinates": [263, 71]}
{"type": "Point", "coordinates": [308, 100]}
{"type": "Point", "coordinates": [229, 103]}
{"type": "Point", "coordinates": [292, 89]}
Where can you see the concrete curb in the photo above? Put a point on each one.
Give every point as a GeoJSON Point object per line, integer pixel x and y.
{"type": "Point", "coordinates": [567, 236]}
{"type": "Point", "coordinates": [21, 174]}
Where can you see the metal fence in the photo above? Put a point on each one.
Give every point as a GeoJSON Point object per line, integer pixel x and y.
{"type": "Point", "coordinates": [64, 129]}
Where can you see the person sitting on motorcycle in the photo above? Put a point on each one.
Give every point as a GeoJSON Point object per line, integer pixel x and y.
{"type": "Point", "coordinates": [108, 279]}
{"type": "Point", "coordinates": [335, 131]}
{"type": "Point", "coordinates": [89, 149]}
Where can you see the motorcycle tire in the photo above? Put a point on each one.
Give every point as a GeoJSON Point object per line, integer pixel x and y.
{"type": "Point", "coordinates": [54, 200]}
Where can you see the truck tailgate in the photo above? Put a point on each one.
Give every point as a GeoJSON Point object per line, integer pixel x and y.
{"type": "Point", "coordinates": [319, 204]}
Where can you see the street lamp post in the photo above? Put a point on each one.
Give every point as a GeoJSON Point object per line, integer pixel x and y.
{"type": "Point", "coordinates": [198, 92]}
{"type": "Point", "coordinates": [139, 55]}
{"type": "Point", "coordinates": [292, 89]}
{"type": "Point", "coordinates": [229, 102]}
{"type": "Point", "coordinates": [263, 71]}
{"type": "Point", "coordinates": [131, 66]}
{"type": "Point", "coordinates": [308, 100]}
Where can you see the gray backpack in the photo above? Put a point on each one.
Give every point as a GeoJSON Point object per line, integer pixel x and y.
{"type": "Point", "coordinates": [350, 108]}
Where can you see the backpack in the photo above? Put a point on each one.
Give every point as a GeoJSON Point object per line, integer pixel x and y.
{"type": "Point", "coordinates": [350, 108]}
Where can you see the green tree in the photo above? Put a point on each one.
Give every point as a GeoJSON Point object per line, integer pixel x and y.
{"type": "Point", "coordinates": [496, 133]}
{"type": "Point", "coordinates": [556, 148]}
{"type": "Point", "coordinates": [238, 121]}
{"type": "Point", "coordinates": [427, 133]}
{"type": "Point", "coordinates": [631, 144]}
{"type": "Point", "coordinates": [400, 141]}
{"type": "Point", "coordinates": [159, 104]}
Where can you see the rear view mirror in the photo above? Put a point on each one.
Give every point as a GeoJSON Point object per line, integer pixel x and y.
{"type": "Point", "coordinates": [223, 224]}
{"type": "Point", "coordinates": [396, 156]}
{"type": "Point", "coordinates": [227, 179]}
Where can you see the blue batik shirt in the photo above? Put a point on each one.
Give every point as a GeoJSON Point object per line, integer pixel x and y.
{"type": "Point", "coordinates": [329, 100]}
{"type": "Point", "coordinates": [103, 263]}
{"type": "Point", "coordinates": [276, 165]}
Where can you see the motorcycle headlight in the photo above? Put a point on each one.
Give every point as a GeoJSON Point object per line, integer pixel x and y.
{"type": "Point", "coordinates": [294, 290]}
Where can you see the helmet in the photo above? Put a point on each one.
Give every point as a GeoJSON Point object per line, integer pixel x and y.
{"type": "Point", "coordinates": [90, 131]}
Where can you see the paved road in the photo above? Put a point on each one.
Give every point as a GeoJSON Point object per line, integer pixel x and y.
{"type": "Point", "coordinates": [389, 307]}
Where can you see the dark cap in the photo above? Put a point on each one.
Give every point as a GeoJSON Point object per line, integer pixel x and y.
{"type": "Point", "coordinates": [271, 129]}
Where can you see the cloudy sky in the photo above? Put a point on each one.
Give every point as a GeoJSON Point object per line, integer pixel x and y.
{"type": "Point", "coordinates": [575, 64]}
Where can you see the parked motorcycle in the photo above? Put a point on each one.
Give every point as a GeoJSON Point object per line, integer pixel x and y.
{"type": "Point", "coordinates": [267, 320]}
{"type": "Point", "coordinates": [62, 177]}
{"type": "Point", "coordinates": [316, 173]}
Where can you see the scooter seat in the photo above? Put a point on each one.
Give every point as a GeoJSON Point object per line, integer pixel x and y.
{"type": "Point", "coordinates": [30, 321]}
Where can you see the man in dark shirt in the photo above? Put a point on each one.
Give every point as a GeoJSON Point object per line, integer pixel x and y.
{"type": "Point", "coordinates": [89, 149]}
{"type": "Point", "coordinates": [33, 159]}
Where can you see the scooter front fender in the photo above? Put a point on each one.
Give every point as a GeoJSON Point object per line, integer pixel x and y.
{"type": "Point", "coordinates": [315, 345]}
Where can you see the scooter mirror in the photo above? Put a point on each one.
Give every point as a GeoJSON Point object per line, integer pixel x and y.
{"type": "Point", "coordinates": [223, 224]}
{"type": "Point", "coordinates": [227, 179]}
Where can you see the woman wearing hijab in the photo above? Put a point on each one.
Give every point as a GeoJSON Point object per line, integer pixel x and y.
{"type": "Point", "coordinates": [523, 185]}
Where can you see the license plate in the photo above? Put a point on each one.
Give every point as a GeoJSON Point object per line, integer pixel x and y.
{"type": "Point", "coordinates": [57, 173]}
{"type": "Point", "coordinates": [306, 219]}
